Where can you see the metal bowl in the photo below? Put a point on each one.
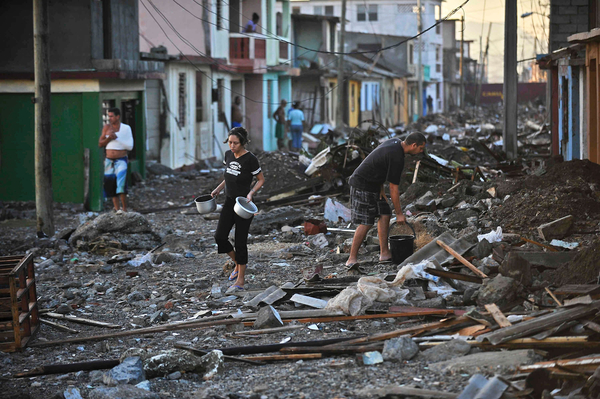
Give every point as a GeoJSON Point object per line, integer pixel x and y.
{"type": "Point", "coordinates": [244, 208]}
{"type": "Point", "coordinates": [206, 204]}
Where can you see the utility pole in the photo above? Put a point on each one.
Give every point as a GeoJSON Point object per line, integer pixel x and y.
{"type": "Point", "coordinates": [482, 66]}
{"type": "Point", "coordinates": [43, 138]}
{"type": "Point", "coordinates": [509, 133]}
{"type": "Point", "coordinates": [420, 62]}
{"type": "Point", "coordinates": [341, 99]}
{"type": "Point", "coordinates": [462, 52]}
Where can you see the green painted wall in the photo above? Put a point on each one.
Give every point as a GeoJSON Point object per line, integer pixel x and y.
{"type": "Point", "coordinates": [17, 175]}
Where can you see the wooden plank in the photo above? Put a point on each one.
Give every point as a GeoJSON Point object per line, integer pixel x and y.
{"type": "Point", "coordinates": [553, 296]}
{"type": "Point", "coordinates": [271, 358]}
{"type": "Point", "coordinates": [461, 259]}
{"type": "Point", "coordinates": [531, 343]}
{"type": "Point", "coordinates": [81, 320]}
{"type": "Point", "coordinates": [548, 247]}
{"type": "Point", "coordinates": [542, 323]}
{"type": "Point", "coordinates": [563, 363]}
{"type": "Point", "coordinates": [578, 289]}
{"type": "Point", "coordinates": [59, 326]}
{"type": "Point", "coordinates": [580, 300]}
{"type": "Point", "coordinates": [341, 350]}
{"type": "Point", "coordinates": [454, 275]}
{"type": "Point", "coordinates": [498, 315]}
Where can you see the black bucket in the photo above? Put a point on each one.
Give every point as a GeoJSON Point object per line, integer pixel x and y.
{"type": "Point", "coordinates": [402, 246]}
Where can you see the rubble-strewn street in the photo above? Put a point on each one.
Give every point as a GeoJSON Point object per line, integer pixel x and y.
{"type": "Point", "coordinates": [503, 282]}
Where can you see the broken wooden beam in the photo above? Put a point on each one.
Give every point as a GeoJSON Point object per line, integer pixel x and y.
{"type": "Point", "coordinates": [461, 259]}
{"type": "Point", "coordinates": [59, 326]}
{"type": "Point", "coordinates": [254, 349]}
{"type": "Point", "coordinates": [69, 368]}
{"type": "Point", "coordinates": [498, 316]}
{"type": "Point", "coordinates": [81, 320]}
{"type": "Point", "coordinates": [542, 323]}
{"type": "Point", "coordinates": [271, 358]}
{"type": "Point", "coordinates": [454, 275]}
{"type": "Point", "coordinates": [341, 350]}
{"type": "Point", "coordinates": [139, 331]}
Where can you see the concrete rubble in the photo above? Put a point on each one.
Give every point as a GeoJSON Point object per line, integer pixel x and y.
{"type": "Point", "coordinates": [501, 302]}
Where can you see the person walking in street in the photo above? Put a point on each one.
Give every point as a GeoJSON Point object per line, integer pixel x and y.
{"type": "Point", "coordinates": [296, 122]}
{"type": "Point", "coordinates": [242, 167]}
{"type": "Point", "coordinates": [367, 194]}
{"type": "Point", "coordinates": [237, 118]}
{"type": "Point", "coordinates": [429, 105]}
{"type": "Point", "coordinates": [279, 116]}
{"type": "Point", "coordinates": [117, 138]}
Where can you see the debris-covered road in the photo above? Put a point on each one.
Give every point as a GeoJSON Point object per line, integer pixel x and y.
{"type": "Point", "coordinates": [152, 285]}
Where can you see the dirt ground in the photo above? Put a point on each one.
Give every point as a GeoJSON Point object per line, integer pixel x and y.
{"type": "Point", "coordinates": [182, 288]}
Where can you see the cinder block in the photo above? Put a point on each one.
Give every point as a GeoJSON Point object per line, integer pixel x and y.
{"type": "Point", "coordinates": [580, 3]}
{"type": "Point", "coordinates": [567, 10]}
{"type": "Point", "coordinates": [561, 19]}
{"type": "Point", "coordinates": [567, 28]}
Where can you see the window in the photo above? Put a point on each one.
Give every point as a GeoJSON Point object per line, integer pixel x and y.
{"type": "Point", "coordinates": [361, 12]}
{"type": "Point", "coordinates": [405, 8]}
{"type": "Point", "coordinates": [372, 12]}
{"type": "Point", "coordinates": [411, 58]}
{"type": "Point", "coordinates": [295, 10]}
{"type": "Point", "coordinates": [364, 13]}
{"type": "Point", "coordinates": [318, 10]}
{"type": "Point", "coordinates": [437, 53]}
{"type": "Point", "coordinates": [182, 99]}
{"type": "Point", "coordinates": [221, 98]}
{"type": "Point", "coordinates": [106, 104]}
{"type": "Point", "coordinates": [329, 11]}
{"type": "Point", "coordinates": [369, 98]}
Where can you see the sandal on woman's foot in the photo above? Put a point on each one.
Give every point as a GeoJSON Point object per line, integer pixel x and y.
{"type": "Point", "coordinates": [233, 275]}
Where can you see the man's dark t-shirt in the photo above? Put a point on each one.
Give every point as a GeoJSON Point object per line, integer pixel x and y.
{"type": "Point", "coordinates": [384, 164]}
{"type": "Point", "coordinates": [239, 173]}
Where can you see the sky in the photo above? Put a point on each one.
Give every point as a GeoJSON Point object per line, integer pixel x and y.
{"type": "Point", "coordinates": [479, 13]}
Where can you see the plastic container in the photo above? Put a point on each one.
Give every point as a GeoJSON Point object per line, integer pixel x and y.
{"type": "Point", "coordinates": [402, 246]}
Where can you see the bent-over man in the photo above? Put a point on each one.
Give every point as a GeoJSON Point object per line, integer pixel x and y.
{"type": "Point", "coordinates": [367, 193]}
{"type": "Point", "coordinates": [118, 140]}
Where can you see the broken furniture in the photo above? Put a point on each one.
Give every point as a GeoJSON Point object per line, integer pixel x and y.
{"type": "Point", "coordinates": [19, 320]}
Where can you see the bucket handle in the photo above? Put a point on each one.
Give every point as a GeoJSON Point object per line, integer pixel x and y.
{"type": "Point", "coordinates": [412, 228]}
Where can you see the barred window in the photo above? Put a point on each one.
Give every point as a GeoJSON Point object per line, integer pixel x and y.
{"type": "Point", "coordinates": [182, 99]}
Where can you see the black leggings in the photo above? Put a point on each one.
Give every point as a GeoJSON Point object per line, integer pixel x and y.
{"type": "Point", "coordinates": [227, 220]}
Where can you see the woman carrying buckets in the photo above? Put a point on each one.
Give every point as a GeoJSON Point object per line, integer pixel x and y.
{"type": "Point", "coordinates": [367, 195]}
{"type": "Point", "coordinates": [241, 168]}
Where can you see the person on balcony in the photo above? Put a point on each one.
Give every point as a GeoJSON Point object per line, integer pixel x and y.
{"type": "Point", "coordinates": [251, 25]}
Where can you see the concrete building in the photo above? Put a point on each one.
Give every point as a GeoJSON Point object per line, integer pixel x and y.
{"type": "Point", "coordinates": [95, 65]}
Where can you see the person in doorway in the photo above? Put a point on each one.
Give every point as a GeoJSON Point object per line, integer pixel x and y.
{"type": "Point", "coordinates": [251, 25]}
{"type": "Point", "coordinates": [296, 123]}
{"type": "Point", "coordinates": [236, 113]}
{"type": "Point", "coordinates": [279, 116]}
{"type": "Point", "coordinates": [241, 168]}
{"type": "Point", "coordinates": [367, 194]}
{"type": "Point", "coordinates": [117, 138]}
{"type": "Point", "coordinates": [429, 105]}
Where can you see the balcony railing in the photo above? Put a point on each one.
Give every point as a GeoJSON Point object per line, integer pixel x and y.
{"type": "Point", "coordinates": [244, 47]}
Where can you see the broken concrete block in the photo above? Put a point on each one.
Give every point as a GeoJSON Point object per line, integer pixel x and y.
{"type": "Point", "coordinates": [130, 371]}
{"type": "Point", "coordinates": [319, 240]}
{"type": "Point", "coordinates": [481, 250]}
{"type": "Point", "coordinates": [268, 317]}
{"type": "Point", "coordinates": [514, 266]}
{"type": "Point", "coordinates": [168, 362]}
{"type": "Point", "coordinates": [426, 202]}
{"type": "Point", "coordinates": [500, 290]}
{"type": "Point", "coordinates": [72, 393]}
{"type": "Point", "coordinates": [122, 391]}
{"type": "Point", "coordinates": [556, 229]}
{"type": "Point", "coordinates": [370, 358]}
{"type": "Point", "coordinates": [446, 351]}
{"type": "Point", "coordinates": [164, 257]}
{"type": "Point", "coordinates": [309, 301]}
{"type": "Point", "coordinates": [399, 349]}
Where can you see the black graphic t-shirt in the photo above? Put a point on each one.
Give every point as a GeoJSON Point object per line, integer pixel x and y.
{"type": "Point", "coordinates": [385, 163]}
{"type": "Point", "coordinates": [239, 173]}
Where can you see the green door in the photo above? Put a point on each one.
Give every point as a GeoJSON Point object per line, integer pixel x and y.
{"type": "Point", "coordinates": [67, 148]}
{"type": "Point", "coordinates": [17, 148]}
